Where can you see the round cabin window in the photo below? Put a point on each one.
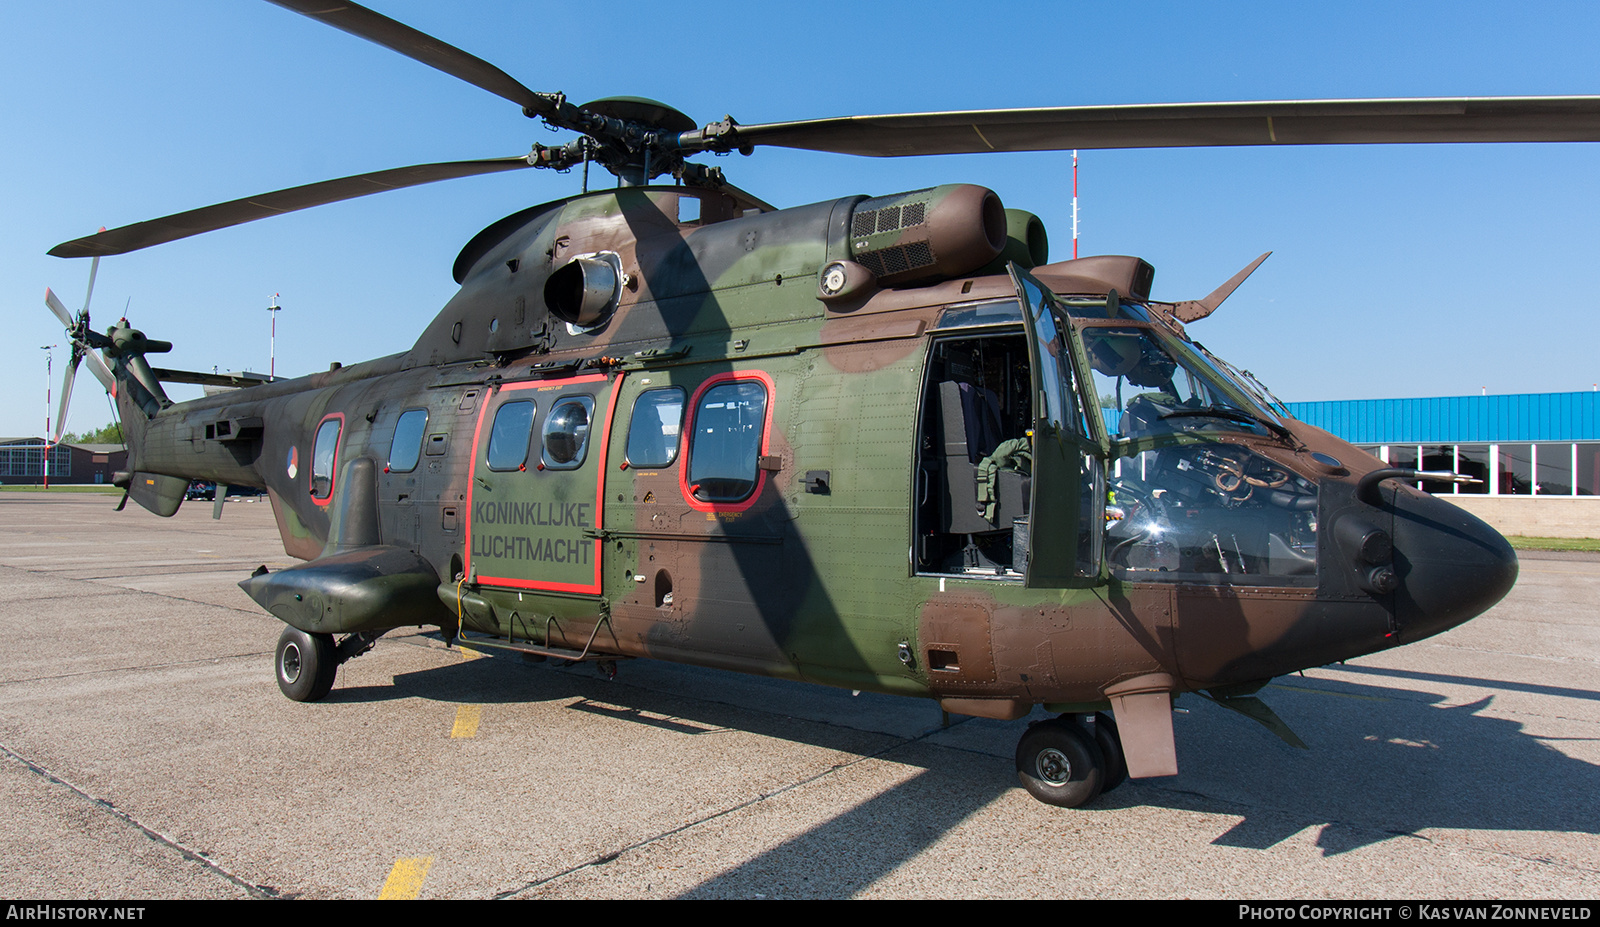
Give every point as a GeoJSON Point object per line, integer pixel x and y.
{"type": "Point", "coordinates": [566, 432]}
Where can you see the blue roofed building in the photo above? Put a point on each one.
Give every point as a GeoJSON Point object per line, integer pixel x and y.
{"type": "Point", "coordinates": [1536, 455]}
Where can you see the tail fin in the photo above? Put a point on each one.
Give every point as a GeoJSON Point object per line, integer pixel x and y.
{"type": "Point", "coordinates": [139, 397]}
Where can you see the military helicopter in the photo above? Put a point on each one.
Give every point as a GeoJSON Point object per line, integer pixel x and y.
{"type": "Point", "coordinates": [877, 442]}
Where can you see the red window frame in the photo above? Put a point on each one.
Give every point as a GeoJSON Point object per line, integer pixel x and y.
{"type": "Point", "coordinates": [686, 439]}
{"type": "Point", "coordinates": [311, 469]}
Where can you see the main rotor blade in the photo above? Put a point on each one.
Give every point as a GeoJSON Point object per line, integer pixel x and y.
{"type": "Point", "coordinates": [210, 218]}
{"type": "Point", "coordinates": [1184, 125]}
{"type": "Point", "coordinates": [375, 27]}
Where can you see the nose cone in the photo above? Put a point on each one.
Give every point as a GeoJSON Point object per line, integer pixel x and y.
{"type": "Point", "coordinates": [1452, 566]}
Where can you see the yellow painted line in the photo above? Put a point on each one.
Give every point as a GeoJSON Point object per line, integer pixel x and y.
{"type": "Point", "coordinates": [467, 653]}
{"type": "Point", "coordinates": [405, 879]}
{"type": "Point", "coordinates": [467, 718]}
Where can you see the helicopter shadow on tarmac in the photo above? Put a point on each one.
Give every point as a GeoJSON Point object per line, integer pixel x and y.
{"type": "Point", "coordinates": [877, 835]}
{"type": "Point", "coordinates": [1384, 762]}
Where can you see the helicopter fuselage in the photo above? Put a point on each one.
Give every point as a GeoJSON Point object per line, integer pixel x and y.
{"type": "Point", "coordinates": [875, 444]}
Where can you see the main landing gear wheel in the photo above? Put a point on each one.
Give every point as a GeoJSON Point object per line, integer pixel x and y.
{"type": "Point", "coordinates": [305, 664]}
{"type": "Point", "coordinates": [1059, 763]}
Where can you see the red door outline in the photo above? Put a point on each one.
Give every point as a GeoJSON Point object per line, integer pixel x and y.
{"type": "Point", "coordinates": [594, 587]}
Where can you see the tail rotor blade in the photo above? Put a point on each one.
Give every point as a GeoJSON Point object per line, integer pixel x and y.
{"type": "Point", "coordinates": [94, 268]}
{"type": "Point", "coordinates": [101, 372]}
{"type": "Point", "coordinates": [83, 342]}
{"type": "Point", "coordinates": [66, 394]}
{"type": "Point", "coordinates": [54, 302]}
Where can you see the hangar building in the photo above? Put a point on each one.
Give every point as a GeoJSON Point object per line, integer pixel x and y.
{"type": "Point", "coordinates": [1537, 454]}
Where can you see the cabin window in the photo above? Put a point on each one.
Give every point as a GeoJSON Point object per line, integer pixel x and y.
{"type": "Point", "coordinates": [653, 433]}
{"type": "Point", "coordinates": [406, 447]}
{"type": "Point", "coordinates": [566, 432]}
{"type": "Point", "coordinates": [325, 457]}
{"type": "Point", "coordinates": [509, 435]}
{"type": "Point", "coordinates": [729, 422]}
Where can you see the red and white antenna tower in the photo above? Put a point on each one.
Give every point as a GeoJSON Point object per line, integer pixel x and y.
{"type": "Point", "coordinates": [1074, 203]}
{"type": "Point", "coordinates": [272, 354]}
{"type": "Point", "coordinates": [49, 379]}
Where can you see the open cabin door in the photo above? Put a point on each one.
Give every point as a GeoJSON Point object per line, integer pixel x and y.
{"type": "Point", "coordinates": [1067, 511]}
{"type": "Point", "coordinates": [538, 485]}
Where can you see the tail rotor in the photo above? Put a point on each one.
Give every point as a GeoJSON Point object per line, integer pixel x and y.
{"type": "Point", "coordinates": [85, 340]}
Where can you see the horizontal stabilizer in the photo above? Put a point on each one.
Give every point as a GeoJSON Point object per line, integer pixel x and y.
{"type": "Point", "coordinates": [159, 493]}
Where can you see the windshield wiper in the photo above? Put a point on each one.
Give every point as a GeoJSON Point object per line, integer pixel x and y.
{"type": "Point", "coordinates": [1235, 415]}
{"type": "Point", "coordinates": [1247, 378]}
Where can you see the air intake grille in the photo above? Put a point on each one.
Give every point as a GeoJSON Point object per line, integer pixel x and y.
{"type": "Point", "coordinates": [897, 259]}
{"type": "Point", "coordinates": [890, 214]}
{"type": "Point", "coordinates": [871, 218]}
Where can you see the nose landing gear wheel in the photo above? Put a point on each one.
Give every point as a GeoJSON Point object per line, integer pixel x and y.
{"type": "Point", "coordinates": [1059, 763]}
{"type": "Point", "coordinates": [305, 664]}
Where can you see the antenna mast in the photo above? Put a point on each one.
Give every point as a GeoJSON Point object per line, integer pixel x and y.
{"type": "Point", "coordinates": [272, 354]}
{"type": "Point", "coordinates": [1074, 204]}
{"type": "Point", "coordinates": [49, 375]}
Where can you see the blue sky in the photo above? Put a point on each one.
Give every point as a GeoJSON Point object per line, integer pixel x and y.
{"type": "Point", "coordinates": [1398, 271]}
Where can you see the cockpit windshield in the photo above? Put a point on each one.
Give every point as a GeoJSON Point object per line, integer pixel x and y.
{"type": "Point", "coordinates": [1149, 383]}
{"type": "Point", "coordinates": [1102, 307]}
{"type": "Point", "coordinates": [1257, 389]}
{"type": "Point", "coordinates": [1148, 379]}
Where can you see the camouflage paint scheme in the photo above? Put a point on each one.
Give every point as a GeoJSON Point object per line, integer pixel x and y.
{"type": "Point", "coordinates": [796, 581]}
